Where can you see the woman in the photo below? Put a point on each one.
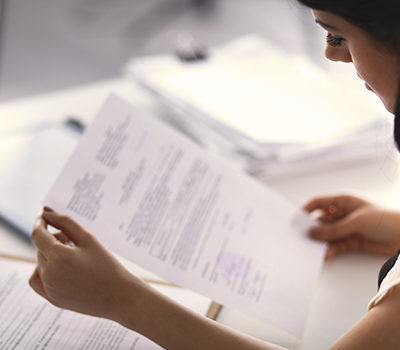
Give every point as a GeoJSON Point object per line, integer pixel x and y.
{"type": "Point", "coordinates": [365, 33]}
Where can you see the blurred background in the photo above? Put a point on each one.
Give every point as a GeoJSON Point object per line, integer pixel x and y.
{"type": "Point", "coordinates": [49, 45]}
{"type": "Point", "coordinates": [262, 93]}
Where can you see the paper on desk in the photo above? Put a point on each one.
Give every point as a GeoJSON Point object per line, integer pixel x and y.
{"type": "Point", "coordinates": [30, 322]}
{"type": "Point", "coordinates": [155, 197]}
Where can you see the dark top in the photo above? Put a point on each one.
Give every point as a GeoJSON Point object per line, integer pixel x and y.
{"type": "Point", "coordinates": [387, 266]}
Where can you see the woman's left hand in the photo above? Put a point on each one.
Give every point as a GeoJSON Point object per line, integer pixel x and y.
{"type": "Point", "coordinates": [84, 277]}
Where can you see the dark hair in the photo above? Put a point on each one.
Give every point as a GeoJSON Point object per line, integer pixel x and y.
{"type": "Point", "coordinates": [379, 19]}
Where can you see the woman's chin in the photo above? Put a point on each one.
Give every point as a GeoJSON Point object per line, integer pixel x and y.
{"type": "Point", "coordinates": [389, 105]}
{"type": "Point", "coordinates": [390, 109]}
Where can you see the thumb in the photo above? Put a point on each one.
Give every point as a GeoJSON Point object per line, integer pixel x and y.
{"type": "Point", "coordinates": [335, 230]}
{"type": "Point", "coordinates": [68, 226]}
{"type": "Point", "coordinates": [36, 283]}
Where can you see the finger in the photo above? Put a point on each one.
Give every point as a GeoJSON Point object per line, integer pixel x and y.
{"type": "Point", "coordinates": [337, 248]}
{"type": "Point", "coordinates": [335, 230]}
{"type": "Point", "coordinates": [372, 247]}
{"type": "Point", "coordinates": [330, 253]}
{"type": "Point", "coordinates": [348, 244]}
{"type": "Point", "coordinates": [332, 213]}
{"type": "Point", "coordinates": [36, 283]}
{"type": "Point", "coordinates": [320, 203]}
{"type": "Point", "coordinates": [327, 217]}
{"type": "Point", "coordinates": [68, 226]}
{"type": "Point", "coordinates": [43, 239]}
{"type": "Point", "coordinates": [62, 237]}
{"type": "Point", "coordinates": [358, 244]}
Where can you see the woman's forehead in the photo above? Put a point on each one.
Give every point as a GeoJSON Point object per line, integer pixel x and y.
{"type": "Point", "coordinates": [330, 19]}
{"type": "Point", "coordinates": [332, 22]}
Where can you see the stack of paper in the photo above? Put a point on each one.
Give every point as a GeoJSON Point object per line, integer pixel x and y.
{"type": "Point", "coordinates": [272, 111]}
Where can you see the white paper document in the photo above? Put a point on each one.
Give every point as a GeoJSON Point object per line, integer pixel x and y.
{"type": "Point", "coordinates": [29, 322]}
{"type": "Point", "coordinates": [155, 197]}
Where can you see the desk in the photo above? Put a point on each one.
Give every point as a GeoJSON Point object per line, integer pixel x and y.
{"type": "Point", "coordinates": [345, 285]}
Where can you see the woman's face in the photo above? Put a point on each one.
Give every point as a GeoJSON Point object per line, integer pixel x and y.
{"type": "Point", "coordinates": [375, 64]}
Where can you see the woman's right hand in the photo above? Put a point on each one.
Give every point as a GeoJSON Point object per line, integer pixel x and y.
{"type": "Point", "coordinates": [83, 277]}
{"type": "Point", "coordinates": [349, 223]}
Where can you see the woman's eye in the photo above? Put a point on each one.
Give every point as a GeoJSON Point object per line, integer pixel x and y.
{"type": "Point", "coordinates": [334, 40]}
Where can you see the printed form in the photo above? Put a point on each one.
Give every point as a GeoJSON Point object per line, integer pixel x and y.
{"type": "Point", "coordinates": [30, 322]}
{"type": "Point", "coordinates": [160, 200]}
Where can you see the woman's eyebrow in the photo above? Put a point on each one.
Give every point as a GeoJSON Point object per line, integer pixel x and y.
{"type": "Point", "coordinates": [324, 25]}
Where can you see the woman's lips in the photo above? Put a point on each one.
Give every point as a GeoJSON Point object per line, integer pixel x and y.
{"type": "Point", "coordinates": [368, 87]}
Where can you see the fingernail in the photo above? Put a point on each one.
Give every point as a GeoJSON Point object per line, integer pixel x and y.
{"type": "Point", "coordinates": [332, 209]}
{"type": "Point", "coordinates": [48, 209]}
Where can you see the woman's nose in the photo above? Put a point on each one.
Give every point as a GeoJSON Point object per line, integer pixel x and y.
{"type": "Point", "coordinates": [338, 54]}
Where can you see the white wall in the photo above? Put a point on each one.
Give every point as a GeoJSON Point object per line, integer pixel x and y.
{"type": "Point", "coordinates": [51, 44]}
